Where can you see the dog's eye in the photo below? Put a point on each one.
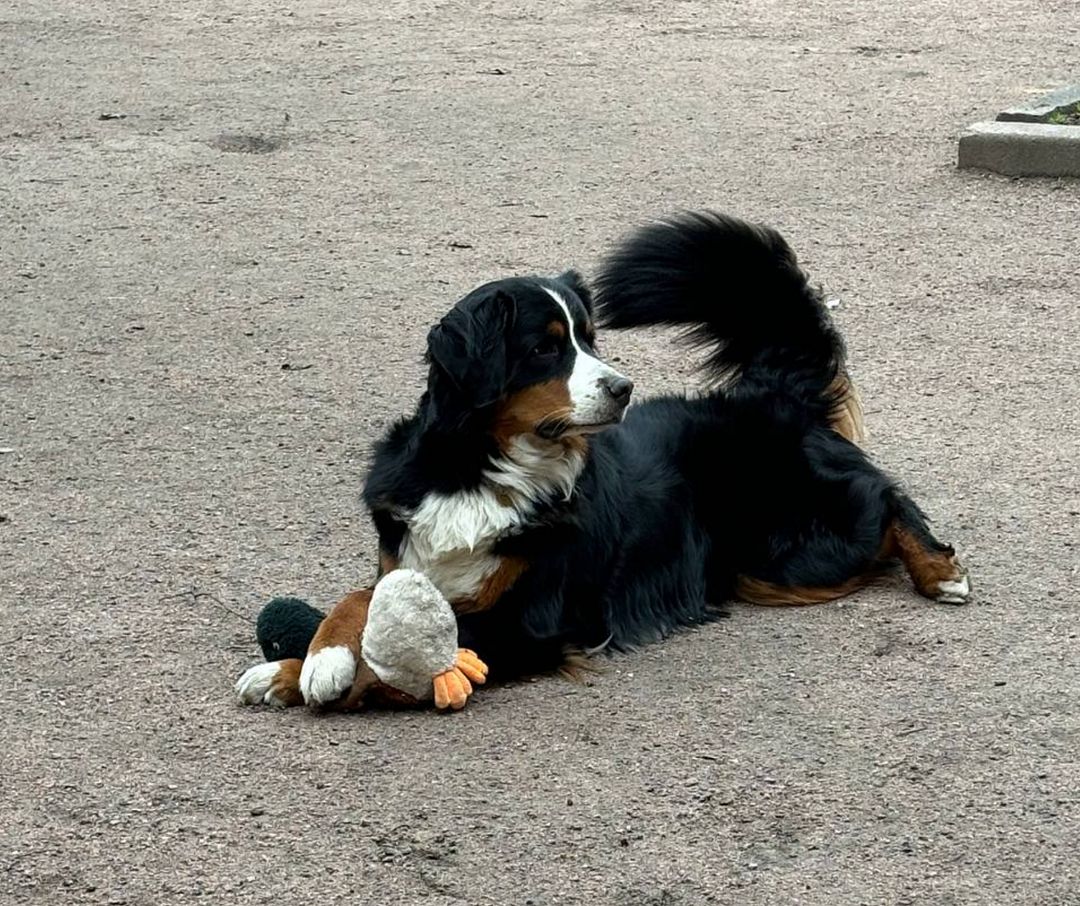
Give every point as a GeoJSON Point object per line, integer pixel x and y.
{"type": "Point", "coordinates": [547, 348]}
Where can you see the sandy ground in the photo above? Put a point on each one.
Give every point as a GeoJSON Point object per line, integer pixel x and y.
{"type": "Point", "coordinates": [226, 228]}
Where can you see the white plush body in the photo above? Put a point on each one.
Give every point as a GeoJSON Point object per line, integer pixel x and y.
{"type": "Point", "coordinates": [411, 633]}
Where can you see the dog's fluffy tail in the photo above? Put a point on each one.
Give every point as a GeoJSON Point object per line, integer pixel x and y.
{"type": "Point", "coordinates": [739, 290]}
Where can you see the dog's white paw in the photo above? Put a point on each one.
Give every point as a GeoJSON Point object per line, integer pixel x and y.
{"type": "Point", "coordinates": [954, 591]}
{"type": "Point", "coordinates": [327, 674]}
{"type": "Point", "coordinates": [256, 685]}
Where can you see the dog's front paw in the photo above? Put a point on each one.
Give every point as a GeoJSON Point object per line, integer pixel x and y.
{"type": "Point", "coordinates": [327, 674]}
{"type": "Point", "coordinates": [272, 683]}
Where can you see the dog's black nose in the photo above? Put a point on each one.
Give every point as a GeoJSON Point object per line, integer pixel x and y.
{"type": "Point", "coordinates": [619, 388]}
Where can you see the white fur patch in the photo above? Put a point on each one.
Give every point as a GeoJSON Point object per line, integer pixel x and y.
{"type": "Point", "coordinates": [592, 404]}
{"type": "Point", "coordinates": [327, 674]}
{"type": "Point", "coordinates": [529, 470]}
{"type": "Point", "coordinates": [255, 685]}
{"type": "Point", "coordinates": [956, 591]}
{"type": "Point", "coordinates": [451, 536]}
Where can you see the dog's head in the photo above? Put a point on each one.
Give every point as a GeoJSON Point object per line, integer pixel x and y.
{"type": "Point", "coordinates": [523, 352]}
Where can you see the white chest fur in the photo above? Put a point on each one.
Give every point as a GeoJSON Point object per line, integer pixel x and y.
{"type": "Point", "coordinates": [451, 536]}
{"type": "Point", "coordinates": [450, 540]}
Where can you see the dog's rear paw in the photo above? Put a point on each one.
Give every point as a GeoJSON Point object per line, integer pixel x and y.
{"type": "Point", "coordinates": [272, 683]}
{"type": "Point", "coordinates": [956, 590]}
{"type": "Point", "coordinates": [327, 674]}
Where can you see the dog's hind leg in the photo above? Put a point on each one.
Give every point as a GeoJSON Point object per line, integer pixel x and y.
{"type": "Point", "coordinates": [932, 565]}
{"type": "Point", "coordinates": [838, 528]}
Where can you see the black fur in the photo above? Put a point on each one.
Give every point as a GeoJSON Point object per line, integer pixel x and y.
{"type": "Point", "coordinates": [468, 347]}
{"type": "Point", "coordinates": [685, 495]}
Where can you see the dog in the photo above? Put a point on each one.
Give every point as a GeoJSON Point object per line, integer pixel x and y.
{"type": "Point", "coordinates": [559, 520]}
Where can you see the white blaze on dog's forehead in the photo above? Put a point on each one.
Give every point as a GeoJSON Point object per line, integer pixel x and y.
{"type": "Point", "coordinates": [561, 302]}
{"type": "Point", "coordinates": [586, 385]}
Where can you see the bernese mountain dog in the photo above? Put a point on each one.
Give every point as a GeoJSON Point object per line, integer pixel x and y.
{"type": "Point", "coordinates": [556, 518]}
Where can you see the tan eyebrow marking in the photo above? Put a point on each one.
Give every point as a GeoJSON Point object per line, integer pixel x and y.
{"type": "Point", "coordinates": [557, 329]}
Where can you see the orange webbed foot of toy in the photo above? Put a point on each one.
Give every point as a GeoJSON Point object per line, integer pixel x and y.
{"type": "Point", "coordinates": [454, 686]}
{"type": "Point", "coordinates": [469, 664]}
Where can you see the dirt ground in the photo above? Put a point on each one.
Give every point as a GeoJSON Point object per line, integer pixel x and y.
{"type": "Point", "coordinates": [226, 228]}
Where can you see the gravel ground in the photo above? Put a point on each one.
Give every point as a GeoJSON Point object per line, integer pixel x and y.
{"type": "Point", "coordinates": [226, 228]}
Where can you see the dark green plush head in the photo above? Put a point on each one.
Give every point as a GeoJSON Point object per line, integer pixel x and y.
{"type": "Point", "coordinates": [286, 627]}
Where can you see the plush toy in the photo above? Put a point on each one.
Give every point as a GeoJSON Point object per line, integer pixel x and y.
{"type": "Point", "coordinates": [286, 627]}
{"type": "Point", "coordinates": [409, 643]}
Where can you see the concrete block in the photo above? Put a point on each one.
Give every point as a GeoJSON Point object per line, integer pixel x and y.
{"type": "Point", "coordinates": [1039, 109]}
{"type": "Point", "coordinates": [1021, 149]}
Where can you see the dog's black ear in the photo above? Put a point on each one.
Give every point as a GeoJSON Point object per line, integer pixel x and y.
{"type": "Point", "coordinates": [468, 347]}
{"type": "Point", "coordinates": [573, 281]}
